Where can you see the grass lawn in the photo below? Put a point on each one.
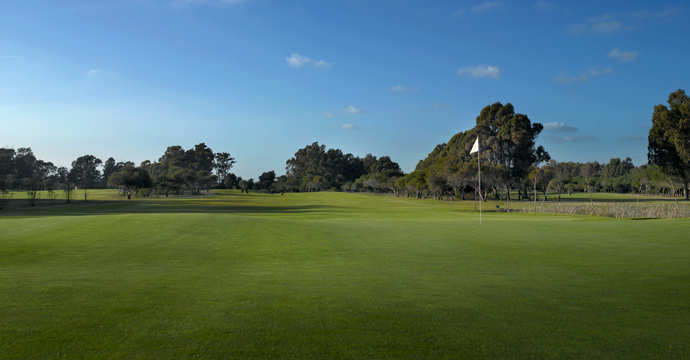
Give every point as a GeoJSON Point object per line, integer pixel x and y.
{"type": "Point", "coordinates": [336, 276]}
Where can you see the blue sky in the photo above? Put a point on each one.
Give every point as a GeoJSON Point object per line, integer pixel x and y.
{"type": "Point", "coordinates": [261, 79]}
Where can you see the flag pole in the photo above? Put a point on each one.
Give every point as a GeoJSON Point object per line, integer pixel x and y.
{"type": "Point", "coordinates": [475, 149]}
{"type": "Point", "coordinates": [479, 168]}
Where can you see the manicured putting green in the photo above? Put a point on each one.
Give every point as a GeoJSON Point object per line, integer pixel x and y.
{"type": "Point", "coordinates": [337, 276]}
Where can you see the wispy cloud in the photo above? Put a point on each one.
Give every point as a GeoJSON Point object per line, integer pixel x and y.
{"type": "Point", "coordinates": [487, 5]}
{"type": "Point", "coordinates": [479, 8]}
{"type": "Point", "coordinates": [622, 55]}
{"type": "Point", "coordinates": [400, 88]}
{"type": "Point", "coordinates": [596, 71]}
{"type": "Point", "coordinates": [296, 60]}
{"type": "Point", "coordinates": [558, 127]}
{"type": "Point", "coordinates": [583, 77]}
{"type": "Point", "coordinates": [482, 70]}
{"type": "Point", "coordinates": [562, 139]}
{"type": "Point", "coordinates": [351, 110]}
{"type": "Point", "coordinates": [605, 24]}
{"type": "Point", "coordinates": [669, 12]}
{"type": "Point", "coordinates": [322, 63]}
{"type": "Point", "coordinates": [349, 126]}
{"type": "Point", "coordinates": [564, 78]}
{"type": "Point", "coordinates": [93, 73]}
{"type": "Point", "coordinates": [610, 23]}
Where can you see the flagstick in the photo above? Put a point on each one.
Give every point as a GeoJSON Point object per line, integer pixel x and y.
{"type": "Point", "coordinates": [479, 166]}
{"type": "Point", "coordinates": [475, 149]}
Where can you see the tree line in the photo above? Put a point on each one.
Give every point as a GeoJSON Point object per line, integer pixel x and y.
{"type": "Point", "coordinates": [509, 161]}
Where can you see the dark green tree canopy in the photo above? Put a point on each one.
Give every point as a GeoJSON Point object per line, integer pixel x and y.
{"type": "Point", "coordinates": [85, 171]}
{"type": "Point", "coordinates": [223, 163]}
{"type": "Point", "coordinates": [131, 179]}
{"type": "Point", "coordinates": [315, 168]}
{"type": "Point", "coordinates": [669, 137]}
{"type": "Point", "coordinates": [507, 150]}
{"type": "Point", "coordinates": [508, 139]}
{"type": "Point", "coordinates": [267, 179]}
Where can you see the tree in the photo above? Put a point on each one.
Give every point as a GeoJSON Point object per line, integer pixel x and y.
{"type": "Point", "coordinates": [588, 171]}
{"type": "Point", "coordinates": [436, 182]}
{"type": "Point", "coordinates": [558, 172]}
{"type": "Point", "coordinates": [7, 167]}
{"type": "Point", "coordinates": [223, 163]}
{"type": "Point", "coordinates": [669, 138]}
{"type": "Point", "coordinates": [25, 163]}
{"type": "Point", "coordinates": [110, 167]}
{"type": "Point", "coordinates": [369, 161]}
{"type": "Point", "coordinates": [509, 140]}
{"type": "Point", "coordinates": [33, 186]}
{"type": "Point", "coordinates": [5, 193]}
{"type": "Point", "coordinates": [131, 180]}
{"type": "Point", "coordinates": [230, 181]}
{"type": "Point", "coordinates": [267, 179]}
{"type": "Point", "coordinates": [85, 171]}
{"type": "Point", "coordinates": [536, 176]}
{"type": "Point", "coordinates": [243, 185]}
{"type": "Point", "coordinates": [191, 169]}
{"type": "Point", "coordinates": [68, 188]}
{"type": "Point", "coordinates": [333, 168]}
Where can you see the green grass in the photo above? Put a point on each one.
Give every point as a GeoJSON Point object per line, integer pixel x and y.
{"type": "Point", "coordinates": [336, 276]}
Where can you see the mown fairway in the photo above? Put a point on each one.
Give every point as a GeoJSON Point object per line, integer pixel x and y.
{"type": "Point", "coordinates": [337, 276]}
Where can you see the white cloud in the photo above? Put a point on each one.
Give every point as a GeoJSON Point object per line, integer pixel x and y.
{"type": "Point", "coordinates": [351, 110]}
{"type": "Point", "coordinates": [439, 105]}
{"type": "Point", "coordinates": [661, 15]}
{"type": "Point", "coordinates": [487, 5]}
{"type": "Point", "coordinates": [349, 126]}
{"type": "Point", "coordinates": [296, 60]}
{"type": "Point", "coordinates": [562, 139]}
{"type": "Point", "coordinates": [606, 27]}
{"type": "Point", "coordinates": [400, 88]}
{"type": "Point", "coordinates": [93, 72]}
{"type": "Point", "coordinates": [483, 7]}
{"type": "Point", "coordinates": [482, 70]}
{"type": "Point", "coordinates": [328, 114]}
{"type": "Point", "coordinates": [622, 55]}
{"type": "Point", "coordinates": [558, 127]}
{"type": "Point", "coordinates": [595, 71]}
{"type": "Point", "coordinates": [563, 77]}
{"type": "Point", "coordinates": [604, 24]}
{"type": "Point", "coordinates": [322, 63]}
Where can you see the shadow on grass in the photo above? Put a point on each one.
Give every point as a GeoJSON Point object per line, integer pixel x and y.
{"type": "Point", "coordinates": [162, 206]}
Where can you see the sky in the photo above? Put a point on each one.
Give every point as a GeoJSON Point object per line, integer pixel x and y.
{"type": "Point", "coordinates": [261, 79]}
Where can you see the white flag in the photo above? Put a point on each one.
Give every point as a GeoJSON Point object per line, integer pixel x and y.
{"type": "Point", "coordinates": [475, 148]}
